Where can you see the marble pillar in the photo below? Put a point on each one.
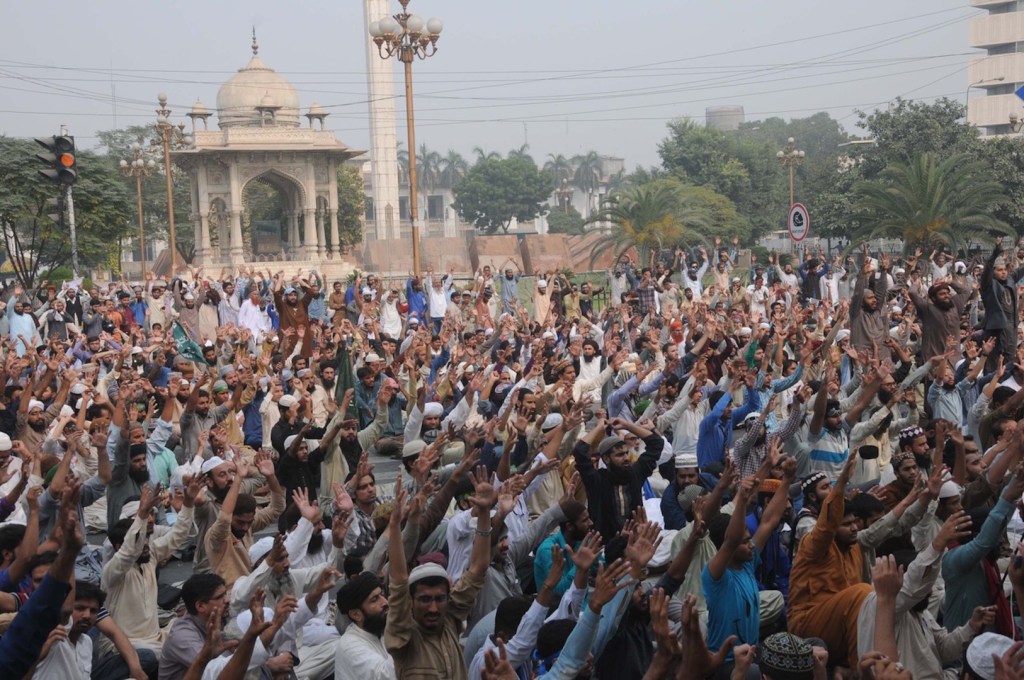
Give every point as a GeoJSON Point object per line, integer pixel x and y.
{"type": "Point", "coordinates": [310, 250]}
{"type": "Point", "coordinates": [383, 128]}
{"type": "Point", "coordinates": [237, 252]}
{"type": "Point", "coordinates": [321, 241]}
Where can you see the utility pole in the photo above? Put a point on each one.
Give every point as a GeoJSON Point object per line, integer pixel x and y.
{"type": "Point", "coordinates": [74, 237]}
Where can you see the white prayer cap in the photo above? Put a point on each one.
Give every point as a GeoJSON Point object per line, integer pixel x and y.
{"type": "Point", "coordinates": [433, 409]}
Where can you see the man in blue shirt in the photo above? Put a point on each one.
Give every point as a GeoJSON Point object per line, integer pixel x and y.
{"type": "Point", "coordinates": [715, 432]}
{"type": "Point", "coordinates": [729, 580]}
{"type": "Point", "coordinates": [572, 531]}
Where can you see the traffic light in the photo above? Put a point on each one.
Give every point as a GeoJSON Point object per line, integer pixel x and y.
{"type": "Point", "coordinates": [60, 158]}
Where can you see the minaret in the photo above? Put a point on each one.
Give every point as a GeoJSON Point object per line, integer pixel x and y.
{"type": "Point", "coordinates": [383, 133]}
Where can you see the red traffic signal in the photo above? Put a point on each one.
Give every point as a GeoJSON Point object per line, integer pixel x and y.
{"type": "Point", "coordinates": [60, 158]}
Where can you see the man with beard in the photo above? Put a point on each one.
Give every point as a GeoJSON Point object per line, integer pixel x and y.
{"type": "Point", "coordinates": [199, 417]}
{"type": "Point", "coordinates": [614, 491]}
{"type": "Point", "coordinates": [510, 287]}
{"type": "Point", "coordinates": [999, 295]}
{"type": "Point", "coordinates": [219, 475]}
{"type": "Point", "coordinates": [361, 653]}
{"type": "Point", "coordinates": [938, 313]}
{"type": "Point", "coordinates": [913, 443]}
{"type": "Point", "coordinates": [353, 441]}
{"type": "Point", "coordinates": [34, 419]}
{"type": "Point", "coordinates": [328, 375]}
{"type": "Point", "coordinates": [132, 454]}
{"type": "Point", "coordinates": [188, 311]}
{"type": "Point", "coordinates": [252, 317]}
{"type": "Point", "coordinates": [130, 576]}
{"type": "Point", "coordinates": [230, 537]}
{"type": "Point", "coordinates": [692, 277]}
{"type": "Point", "coordinates": [294, 313]}
{"type": "Point", "coordinates": [299, 468]}
{"type": "Point", "coordinates": [826, 582]}
{"type": "Point", "coordinates": [868, 327]}
{"type": "Point", "coordinates": [55, 320]}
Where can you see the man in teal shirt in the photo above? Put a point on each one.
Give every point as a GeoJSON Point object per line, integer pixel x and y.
{"type": "Point", "coordinates": [570, 532]}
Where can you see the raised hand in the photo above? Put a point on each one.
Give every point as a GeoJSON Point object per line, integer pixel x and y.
{"type": "Point", "coordinates": [643, 543]}
{"type": "Point", "coordinates": [485, 496]}
{"type": "Point", "coordinates": [193, 487]}
{"type": "Point", "coordinates": [300, 497]}
{"type": "Point", "coordinates": [588, 552]}
{"type": "Point", "coordinates": [957, 527]}
{"type": "Point", "coordinates": [497, 665]}
{"type": "Point", "coordinates": [887, 577]}
{"type": "Point", "coordinates": [608, 583]}
{"type": "Point", "coordinates": [667, 640]}
{"type": "Point", "coordinates": [342, 500]}
{"type": "Point", "coordinates": [700, 662]}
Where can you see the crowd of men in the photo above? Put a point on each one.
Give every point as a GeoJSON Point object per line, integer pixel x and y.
{"type": "Point", "coordinates": [808, 468]}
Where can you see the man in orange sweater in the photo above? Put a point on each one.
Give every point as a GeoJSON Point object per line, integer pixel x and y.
{"type": "Point", "coordinates": [826, 584]}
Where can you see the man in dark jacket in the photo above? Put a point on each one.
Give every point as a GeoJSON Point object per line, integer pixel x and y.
{"type": "Point", "coordinates": [616, 490]}
{"type": "Point", "coordinates": [868, 325]}
{"type": "Point", "coordinates": [999, 295]}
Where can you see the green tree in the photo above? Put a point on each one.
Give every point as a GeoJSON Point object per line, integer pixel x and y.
{"type": "Point", "coordinates": [907, 129]}
{"type": "Point", "coordinates": [116, 146]}
{"type": "Point", "coordinates": [522, 152]}
{"type": "Point", "coordinates": [496, 190]}
{"type": "Point", "coordinates": [351, 206]}
{"type": "Point", "coordinates": [559, 168]}
{"type": "Point", "coordinates": [928, 200]}
{"type": "Point", "coordinates": [566, 221]}
{"type": "Point", "coordinates": [482, 155]}
{"type": "Point", "coordinates": [32, 241]}
{"type": "Point", "coordinates": [649, 218]}
{"type": "Point", "coordinates": [1005, 155]}
{"type": "Point", "coordinates": [587, 175]}
{"type": "Point", "coordinates": [453, 169]}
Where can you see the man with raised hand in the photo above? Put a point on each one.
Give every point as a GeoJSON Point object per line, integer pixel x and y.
{"type": "Point", "coordinates": [426, 611]}
{"type": "Point", "coordinates": [129, 578]}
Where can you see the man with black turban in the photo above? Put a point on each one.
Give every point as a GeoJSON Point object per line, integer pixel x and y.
{"type": "Point", "coordinates": [361, 653]}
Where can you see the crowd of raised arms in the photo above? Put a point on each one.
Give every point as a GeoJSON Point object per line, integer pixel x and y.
{"type": "Point", "coordinates": [810, 467]}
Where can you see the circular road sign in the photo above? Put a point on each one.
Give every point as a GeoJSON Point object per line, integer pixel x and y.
{"type": "Point", "coordinates": [799, 222]}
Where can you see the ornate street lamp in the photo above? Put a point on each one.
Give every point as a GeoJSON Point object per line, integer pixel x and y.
{"type": "Point", "coordinates": [791, 157]}
{"type": "Point", "coordinates": [170, 133]}
{"type": "Point", "coordinates": [407, 36]}
{"type": "Point", "coordinates": [137, 168]}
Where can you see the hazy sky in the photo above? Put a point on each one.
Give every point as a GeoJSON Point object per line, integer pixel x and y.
{"type": "Point", "coordinates": [564, 76]}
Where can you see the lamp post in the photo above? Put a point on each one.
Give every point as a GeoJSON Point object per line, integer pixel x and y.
{"type": "Point", "coordinates": [137, 168]}
{"type": "Point", "coordinates": [967, 93]}
{"type": "Point", "coordinates": [168, 133]}
{"type": "Point", "coordinates": [407, 36]}
{"type": "Point", "coordinates": [791, 157]}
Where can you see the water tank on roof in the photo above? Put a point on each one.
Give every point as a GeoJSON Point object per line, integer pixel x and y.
{"type": "Point", "coordinates": [724, 118]}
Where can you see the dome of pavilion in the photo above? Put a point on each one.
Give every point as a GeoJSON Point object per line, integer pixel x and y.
{"type": "Point", "coordinates": [256, 85]}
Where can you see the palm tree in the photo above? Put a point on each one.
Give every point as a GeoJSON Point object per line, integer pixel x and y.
{"type": "Point", "coordinates": [482, 155]}
{"type": "Point", "coordinates": [403, 165]}
{"type": "Point", "coordinates": [522, 152]}
{"type": "Point", "coordinates": [950, 201]}
{"type": "Point", "coordinates": [587, 176]}
{"type": "Point", "coordinates": [559, 167]}
{"type": "Point", "coordinates": [648, 218]}
{"type": "Point", "coordinates": [453, 169]}
{"type": "Point", "coordinates": [428, 175]}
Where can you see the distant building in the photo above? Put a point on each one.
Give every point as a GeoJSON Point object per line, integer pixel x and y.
{"type": "Point", "coordinates": [1000, 71]}
{"type": "Point", "coordinates": [727, 118]}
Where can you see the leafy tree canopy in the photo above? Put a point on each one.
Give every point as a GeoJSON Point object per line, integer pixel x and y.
{"type": "Point", "coordinates": [496, 190]}
{"type": "Point", "coordinates": [32, 241]}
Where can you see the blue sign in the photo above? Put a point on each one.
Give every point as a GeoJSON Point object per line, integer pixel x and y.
{"type": "Point", "coordinates": [1020, 92]}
